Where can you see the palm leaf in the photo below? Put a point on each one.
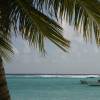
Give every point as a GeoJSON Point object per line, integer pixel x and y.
{"type": "Point", "coordinates": [5, 36]}
{"type": "Point", "coordinates": [83, 14]}
{"type": "Point", "coordinates": [5, 47]}
{"type": "Point", "coordinates": [20, 16]}
{"type": "Point", "coordinates": [35, 26]}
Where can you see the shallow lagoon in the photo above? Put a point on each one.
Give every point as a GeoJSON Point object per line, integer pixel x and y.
{"type": "Point", "coordinates": [50, 88]}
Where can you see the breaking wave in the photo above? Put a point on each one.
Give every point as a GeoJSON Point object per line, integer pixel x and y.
{"type": "Point", "coordinates": [54, 76]}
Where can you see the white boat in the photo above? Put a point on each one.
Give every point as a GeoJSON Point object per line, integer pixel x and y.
{"type": "Point", "coordinates": [91, 83]}
{"type": "Point", "coordinates": [97, 83]}
{"type": "Point", "coordinates": [94, 84]}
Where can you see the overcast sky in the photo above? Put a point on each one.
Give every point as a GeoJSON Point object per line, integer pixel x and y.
{"type": "Point", "coordinates": [82, 57]}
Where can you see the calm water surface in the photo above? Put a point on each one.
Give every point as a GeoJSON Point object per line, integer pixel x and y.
{"type": "Point", "coordinates": [50, 88]}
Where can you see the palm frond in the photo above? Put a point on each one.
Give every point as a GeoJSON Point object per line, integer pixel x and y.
{"type": "Point", "coordinates": [5, 47]}
{"type": "Point", "coordinates": [83, 14]}
{"type": "Point", "coordinates": [30, 18]}
{"type": "Point", "coordinates": [89, 17]}
{"type": "Point", "coordinates": [4, 18]}
{"type": "Point", "coordinates": [36, 26]}
{"type": "Point", "coordinates": [5, 36]}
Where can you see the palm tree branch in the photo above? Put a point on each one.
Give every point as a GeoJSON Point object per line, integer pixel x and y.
{"type": "Point", "coordinates": [32, 22]}
{"type": "Point", "coordinates": [5, 48]}
{"type": "Point", "coordinates": [83, 14]}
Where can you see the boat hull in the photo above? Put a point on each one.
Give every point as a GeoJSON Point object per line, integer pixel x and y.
{"type": "Point", "coordinates": [94, 84]}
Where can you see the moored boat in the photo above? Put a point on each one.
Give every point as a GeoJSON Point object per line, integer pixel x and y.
{"type": "Point", "coordinates": [97, 83]}
{"type": "Point", "coordinates": [91, 83]}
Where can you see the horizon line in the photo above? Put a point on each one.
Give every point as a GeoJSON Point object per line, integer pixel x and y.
{"type": "Point", "coordinates": [52, 74]}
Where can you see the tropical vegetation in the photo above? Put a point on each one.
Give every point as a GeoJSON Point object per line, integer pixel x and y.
{"type": "Point", "coordinates": [36, 21]}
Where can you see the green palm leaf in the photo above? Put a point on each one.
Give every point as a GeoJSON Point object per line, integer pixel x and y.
{"type": "Point", "coordinates": [5, 47]}
{"type": "Point", "coordinates": [5, 36]}
{"type": "Point", "coordinates": [35, 26]}
{"type": "Point", "coordinates": [83, 14]}
{"type": "Point", "coordinates": [34, 20]}
{"type": "Point", "coordinates": [20, 16]}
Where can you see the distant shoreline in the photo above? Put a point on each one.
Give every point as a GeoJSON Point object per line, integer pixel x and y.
{"type": "Point", "coordinates": [46, 74]}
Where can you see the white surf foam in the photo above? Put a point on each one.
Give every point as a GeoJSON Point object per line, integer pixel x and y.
{"type": "Point", "coordinates": [52, 76]}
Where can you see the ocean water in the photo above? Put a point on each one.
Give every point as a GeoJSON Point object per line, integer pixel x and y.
{"type": "Point", "coordinates": [51, 88]}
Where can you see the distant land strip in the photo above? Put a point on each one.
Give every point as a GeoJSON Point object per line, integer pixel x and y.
{"type": "Point", "coordinates": [48, 74]}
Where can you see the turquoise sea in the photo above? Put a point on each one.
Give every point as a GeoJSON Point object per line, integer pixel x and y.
{"type": "Point", "coordinates": [50, 88]}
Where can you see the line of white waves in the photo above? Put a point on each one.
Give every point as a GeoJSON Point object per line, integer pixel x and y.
{"type": "Point", "coordinates": [54, 76]}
